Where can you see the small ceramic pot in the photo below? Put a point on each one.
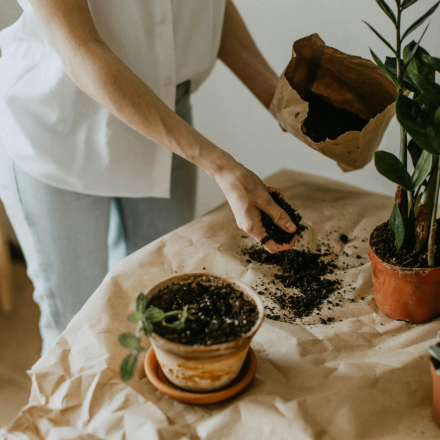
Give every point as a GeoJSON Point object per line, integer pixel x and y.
{"type": "Point", "coordinates": [204, 368]}
{"type": "Point", "coordinates": [403, 293]}
{"type": "Point", "coordinates": [435, 393]}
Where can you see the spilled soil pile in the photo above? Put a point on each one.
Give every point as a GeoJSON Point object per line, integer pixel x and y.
{"type": "Point", "coordinates": [274, 232]}
{"type": "Point", "coordinates": [310, 273]}
{"type": "Point", "coordinates": [383, 245]}
{"type": "Point", "coordinates": [218, 311]}
{"type": "Point", "coordinates": [324, 121]}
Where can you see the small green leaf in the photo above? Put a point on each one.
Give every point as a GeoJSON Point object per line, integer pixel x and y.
{"type": "Point", "coordinates": [422, 169]}
{"type": "Point", "coordinates": [141, 302]}
{"type": "Point", "coordinates": [428, 87]}
{"type": "Point", "coordinates": [135, 316]}
{"type": "Point", "coordinates": [380, 36]}
{"type": "Point", "coordinates": [420, 21]}
{"type": "Point", "coordinates": [387, 10]}
{"type": "Point", "coordinates": [148, 328]}
{"type": "Point", "coordinates": [385, 69]}
{"type": "Point", "coordinates": [154, 314]}
{"type": "Point", "coordinates": [407, 83]}
{"type": "Point", "coordinates": [412, 55]}
{"type": "Point", "coordinates": [129, 341]}
{"type": "Point", "coordinates": [432, 61]}
{"type": "Point", "coordinates": [415, 151]}
{"type": "Point", "coordinates": [408, 3]}
{"type": "Point", "coordinates": [128, 367]}
{"type": "Point", "coordinates": [434, 351]}
{"type": "Point", "coordinates": [390, 167]}
{"type": "Point", "coordinates": [397, 225]}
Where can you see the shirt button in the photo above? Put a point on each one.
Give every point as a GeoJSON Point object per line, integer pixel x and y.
{"type": "Point", "coordinates": [164, 19]}
{"type": "Point", "coordinates": [167, 82]}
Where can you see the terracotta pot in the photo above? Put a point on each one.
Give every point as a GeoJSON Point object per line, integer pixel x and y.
{"type": "Point", "coordinates": [204, 368]}
{"type": "Point", "coordinates": [435, 393]}
{"type": "Point", "coordinates": [403, 293]}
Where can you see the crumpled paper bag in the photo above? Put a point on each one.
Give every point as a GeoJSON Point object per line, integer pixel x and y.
{"type": "Point", "coordinates": [345, 81]}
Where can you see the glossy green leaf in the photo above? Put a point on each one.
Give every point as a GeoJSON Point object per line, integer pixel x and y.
{"type": "Point", "coordinates": [419, 123]}
{"type": "Point", "coordinates": [428, 87]}
{"type": "Point", "coordinates": [437, 116]}
{"type": "Point", "coordinates": [141, 302]}
{"type": "Point", "coordinates": [390, 167]}
{"type": "Point", "coordinates": [407, 83]}
{"type": "Point", "coordinates": [128, 367]}
{"type": "Point", "coordinates": [420, 21]}
{"type": "Point", "coordinates": [415, 151]}
{"type": "Point", "coordinates": [382, 38]}
{"type": "Point", "coordinates": [408, 3]}
{"type": "Point", "coordinates": [432, 61]}
{"type": "Point", "coordinates": [128, 340]}
{"type": "Point", "coordinates": [422, 169]}
{"type": "Point", "coordinates": [154, 314]}
{"type": "Point", "coordinates": [397, 225]}
{"type": "Point", "coordinates": [148, 328]}
{"type": "Point", "coordinates": [385, 8]}
{"type": "Point", "coordinates": [135, 316]}
{"type": "Point", "coordinates": [385, 69]}
{"type": "Point", "coordinates": [434, 351]}
{"type": "Point", "coordinates": [413, 57]}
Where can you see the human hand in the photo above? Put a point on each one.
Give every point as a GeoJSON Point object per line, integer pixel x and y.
{"type": "Point", "coordinates": [247, 195]}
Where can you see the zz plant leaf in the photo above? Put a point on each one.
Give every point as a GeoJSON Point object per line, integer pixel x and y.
{"type": "Point", "coordinates": [428, 87]}
{"type": "Point", "coordinates": [397, 225]}
{"type": "Point", "coordinates": [390, 167]}
{"type": "Point", "coordinates": [420, 21]}
{"type": "Point", "coordinates": [384, 5]}
{"type": "Point", "coordinates": [432, 61]}
{"type": "Point", "coordinates": [422, 169]}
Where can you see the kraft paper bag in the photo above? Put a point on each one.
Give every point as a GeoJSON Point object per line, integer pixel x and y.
{"type": "Point", "coordinates": [343, 81]}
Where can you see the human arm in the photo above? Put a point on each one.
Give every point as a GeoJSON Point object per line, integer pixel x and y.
{"type": "Point", "coordinates": [95, 68]}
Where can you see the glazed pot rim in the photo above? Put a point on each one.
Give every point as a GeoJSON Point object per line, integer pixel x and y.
{"type": "Point", "coordinates": [211, 350]}
{"type": "Point", "coordinates": [401, 269]}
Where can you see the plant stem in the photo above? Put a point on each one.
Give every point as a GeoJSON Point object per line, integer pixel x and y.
{"type": "Point", "coordinates": [432, 228]}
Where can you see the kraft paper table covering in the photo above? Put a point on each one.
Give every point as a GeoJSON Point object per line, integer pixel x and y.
{"type": "Point", "coordinates": [364, 377]}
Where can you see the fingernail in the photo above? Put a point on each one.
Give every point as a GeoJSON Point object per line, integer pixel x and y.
{"type": "Point", "coordinates": [290, 226]}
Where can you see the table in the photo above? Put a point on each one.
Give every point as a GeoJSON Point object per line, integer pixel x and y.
{"type": "Point", "coordinates": [364, 376]}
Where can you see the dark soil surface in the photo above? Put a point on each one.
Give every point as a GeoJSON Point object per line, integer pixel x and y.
{"type": "Point", "coordinates": [274, 232]}
{"type": "Point", "coordinates": [383, 245]}
{"type": "Point", "coordinates": [220, 312]}
{"type": "Point", "coordinates": [304, 270]}
{"type": "Point", "coordinates": [324, 121]}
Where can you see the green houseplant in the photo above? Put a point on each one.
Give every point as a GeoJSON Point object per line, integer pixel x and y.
{"type": "Point", "coordinates": [404, 273]}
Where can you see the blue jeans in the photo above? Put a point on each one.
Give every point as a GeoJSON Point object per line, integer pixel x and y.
{"type": "Point", "coordinates": [70, 240]}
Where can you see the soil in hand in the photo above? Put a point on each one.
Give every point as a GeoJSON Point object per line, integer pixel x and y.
{"type": "Point", "coordinates": [274, 232]}
{"type": "Point", "coordinates": [324, 121]}
{"type": "Point", "coordinates": [220, 313]}
{"type": "Point", "coordinates": [383, 245]}
{"type": "Point", "coordinates": [304, 270]}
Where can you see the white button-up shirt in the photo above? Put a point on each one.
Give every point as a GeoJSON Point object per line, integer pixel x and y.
{"type": "Point", "coordinates": [60, 135]}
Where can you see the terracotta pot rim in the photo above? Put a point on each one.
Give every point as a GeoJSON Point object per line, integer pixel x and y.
{"type": "Point", "coordinates": [217, 349]}
{"type": "Point", "coordinates": [400, 269]}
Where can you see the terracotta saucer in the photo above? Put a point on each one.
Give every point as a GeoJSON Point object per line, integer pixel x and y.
{"type": "Point", "coordinates": [157, 378]}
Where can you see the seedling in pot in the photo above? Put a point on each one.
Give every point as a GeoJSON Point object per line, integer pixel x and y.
{"type": "Point", "coordinates": [413, 217]}
{"type": "Point", "coordinates": [434, 351]}
{"type": "Point", "coordinates": [147, 318]}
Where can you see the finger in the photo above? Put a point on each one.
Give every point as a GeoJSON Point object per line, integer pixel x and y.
{"type": "Point", "coordinates": [279, 216]}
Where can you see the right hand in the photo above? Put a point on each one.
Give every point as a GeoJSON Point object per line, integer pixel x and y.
{"type": "Point", "coordinates": [247, 195]}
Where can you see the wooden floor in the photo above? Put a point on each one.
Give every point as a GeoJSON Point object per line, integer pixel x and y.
{"type": "Point", "coordinates": [20, 346]}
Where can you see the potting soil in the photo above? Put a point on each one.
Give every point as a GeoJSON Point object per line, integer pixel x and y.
{"type": "Point", "coordinates": [218, 312]}
{"type": "Point", "coordinates": [324, 121]}
{"type": "Point", "coordinates": [383, 244]}
{"type": "Point", "coordinates": [274, 232]}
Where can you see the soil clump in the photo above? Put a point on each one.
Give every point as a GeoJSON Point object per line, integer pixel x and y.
{"type": "Point", "coordinates": [383, 245]}
{"type": "Point", "coordinates": [324, 121]}
{"type": "Point", "coordinates": [274, 232]}
{"type": "Point", "coordinates": [218, 311]}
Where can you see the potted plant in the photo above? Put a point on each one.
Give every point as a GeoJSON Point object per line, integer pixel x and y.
{"type": "Point", "coordinates": [434, 351]}
{"type": "Point", "coordinates": [200, 326]}
{"type": "Point", "coordinates": [404, 254]}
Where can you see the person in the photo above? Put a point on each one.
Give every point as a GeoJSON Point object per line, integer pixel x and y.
{"type": "Point", "coordinates": [98, 153]}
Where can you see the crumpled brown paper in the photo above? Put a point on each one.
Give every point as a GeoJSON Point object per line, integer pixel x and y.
{"type": "Point", "coordinates": [363, 377]}
{"type": "Point", "coordinates": [345, 81]}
